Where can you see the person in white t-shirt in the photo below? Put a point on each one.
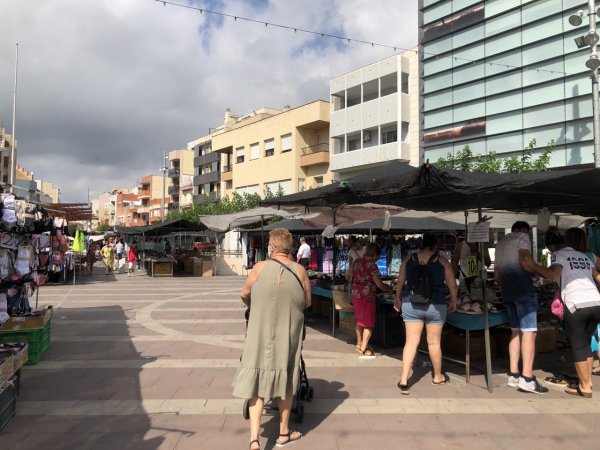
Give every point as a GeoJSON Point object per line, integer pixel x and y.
{"type": "Point", "coordinates": [576, 273]}
{"type": "Point", "coordinates": [303, 256]}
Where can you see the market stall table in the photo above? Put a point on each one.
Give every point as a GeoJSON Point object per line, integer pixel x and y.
{"type": "Point", "coordinates": [162, 267]}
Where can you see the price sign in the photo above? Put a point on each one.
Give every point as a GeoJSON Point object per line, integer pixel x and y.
{"type": "Point", "coordinates": [478, 231]}
{"type": "Point", "coordinates": [471, 266]}
{"type": "Point", "coordinates": [12, 241]}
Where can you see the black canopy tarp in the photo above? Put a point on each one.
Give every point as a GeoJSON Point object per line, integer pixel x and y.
{"type": "Point", "coordinates": [434, 189]}
{"type": "Point", "coordinates": [162, 228]}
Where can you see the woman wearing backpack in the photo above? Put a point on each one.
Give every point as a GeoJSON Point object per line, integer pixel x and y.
{"type": "Point", "coordinates": [421, 296]}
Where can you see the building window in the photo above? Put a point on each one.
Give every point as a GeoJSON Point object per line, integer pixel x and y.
{"type": "Point", "coordinates": [370, 90]}
{"type": "Point", "coordinates": [338, 100]}
{"type": "Point", "coordinates": [404, 83]}
{"type": "Point", "coordinates": [389, 134]}
{"type": "Point", "coordinates": [389, 84]}
{"type": "Point", "coordinates": [300, 184]}
{"type": "Point", "coordinates": [269, 147]}
{"type": "Point", "coordinates": [353, 96]}
{"type": "Point", "coordinates": [286, 142]}
{"type": "Point", "coordinates": [319, 181]}
{"type": "Point", "coordinates": [404, 132]}
{"type": "Point", "coordinates": [254, 151]}
{"type": "Point", "coordinates": [239, 155]}
{"type": "Point", "coordinates": [353, 143]}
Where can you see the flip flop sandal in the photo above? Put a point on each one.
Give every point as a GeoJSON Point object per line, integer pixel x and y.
{"type": "Point", "coordinates": [596, 373]}
{"type": "Point", "coordinates": [288, 435]}
{"type": "Point", "coordinates": [575, 390]}
{"type": "Point", "coordinates": [255, 441]}
{"type": "Point", "coordinates": [558, 380]}
{"type": "Point", "coordinates": [444, 381]}
{"type": "Point", "coordinates": [403, 388]}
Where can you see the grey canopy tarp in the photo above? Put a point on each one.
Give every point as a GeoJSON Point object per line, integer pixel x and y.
{"type": "Point", "coordinates": [162, 228]}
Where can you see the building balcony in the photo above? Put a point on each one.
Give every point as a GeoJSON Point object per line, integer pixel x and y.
{"type": "Point", "coordinates": [173, 206]}
{"type": "Point", "coordinates": [212, 177]}
{"type": "Point", "coordinates": [197, 161]}
{"type": "Point", "coordinates": [141, 210]}
{"type": "Point", "coordinates": [227, 174]}
{"type": "Point", "coordinates": [189, 187]}
{"type": "Point", "coordinates": [144, 193]}
{"type": "Point", "coordinates": [314, 155]}
{"type": "Point", "coordinates": [173, 190]}
{"type": "Point", "coordinates": [173, 173]}
{"type": "Point", "coordinates": [203, 199]}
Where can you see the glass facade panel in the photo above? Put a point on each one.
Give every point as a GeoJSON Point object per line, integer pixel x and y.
{"type": "Point", "coordinates": [578, 86]}
{"type": "Point", "coordinates": [505, 143]}
{"type": "Point", "coordinates": [493, 7]}
{"type": "Point", "coordinates": [438, 47]}
{"type": "Point", "coordinates": [541, 115]}
{"type": "Point", "coordinates": [541, 30]}
{"type": "Point", "coordinates": [538, 9]}
{"type": "Point", "coordinates": [437, 65]}
{"type": "Point", "coordinates": [469, 111]}
{"type": "Point", "coordinates": [503, 43]}
{"type": "Point", "coordinates": [543, 72]}
{"type": "Point", "coordinates": [468, 55]}
{"type": "Point", "coordinates": [543, 93]}
{"type": "Point", "coordinates": [498, 64]}
{"type": "Point", "coordinates": [469, 91]}
{"type": "Point", "coordinates": [503, 83]}
{"type": "Point", "coordinates": [502, 23]}
{"type": "Point", "coordinates": [437, 100]}
{"type": "Point", "coordinates": [457, 5]}
{"type": "Point", "coordinates": [437, 12]}
{"type": "Point", "coordinates": [573, 3]}
{"type": "Point", "coordinates": [468, 36]}
{"type": "Point", "coordinates": [580, 130]}
{"type": "Point", "coordinates": [504, 102]}
{"type": "Point", "coordinates": [477, 146]}
{"type": "Point", "coordinates": [468, 73]}
{"type": "Point", "coordinates": [502, 123]}
{"type": "Point", "coordinates": [543, 50]}
{"type": "Point", "coordinates": [439, 151]}
{"type": "Point", "coordinates": [438, 118]}
{"type": "Point", "coordinates": [544, 135]}
{"type": "Point", "coordinates": [575, 62]}
{"type": "Point", "coordinates": [437, 82]}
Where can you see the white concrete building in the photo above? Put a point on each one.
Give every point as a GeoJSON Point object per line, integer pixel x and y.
{"type": "Point", "coordinates": [375, 115]}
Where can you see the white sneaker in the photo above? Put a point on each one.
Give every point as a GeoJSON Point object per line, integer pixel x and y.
{"type": "Point", "coordinates": [531, 386]}
{"type": "Point", "coordinates": [513, 381]}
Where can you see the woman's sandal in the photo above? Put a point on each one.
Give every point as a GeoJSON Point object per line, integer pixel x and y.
{"type": "Point", "coordinates": [576, 390]}
{"type": "Point", "coordinates": [444, 381]}
{"type": "Point", "coordinates": [367, 353]}
{"type": "Point", "coordinates": [288, 435]}
{"type": "Point", "coordinates": [403, 388]}
{"type": "Point", "coordinates": [252, 442]}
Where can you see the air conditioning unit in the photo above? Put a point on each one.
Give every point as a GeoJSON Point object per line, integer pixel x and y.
{"type": "Point", "coordinates": [366, 136]}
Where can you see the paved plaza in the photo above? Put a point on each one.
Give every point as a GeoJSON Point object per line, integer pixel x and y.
{"type": "Point", "coordinates": [147, 363]}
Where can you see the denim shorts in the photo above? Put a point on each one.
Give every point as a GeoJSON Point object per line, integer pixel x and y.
{"type": "Point", "coordinates": [522, 314]}
{"type": "Point", "coordinates": [435, 314]}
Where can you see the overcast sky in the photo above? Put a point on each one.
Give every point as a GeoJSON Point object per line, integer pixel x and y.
{"type": "Point", "coordinates": [106, 86]}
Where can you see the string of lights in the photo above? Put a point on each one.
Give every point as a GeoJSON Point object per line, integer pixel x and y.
{"type": "Point", "coordinates": [348, 40]}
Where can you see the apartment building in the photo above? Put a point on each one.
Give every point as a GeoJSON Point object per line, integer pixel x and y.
{"type": "Point", "coordinates": [6, 143]}
{"type": "Point", "coordinates": [375, 115]}
{"type": "Point", "coordinates": [181, 174]}
{"type": "Point", "coordinates": [497, 73]}
{"type": "Point", "coordinates": [50, 190]}
{"type": "Point", "coordinates": [150, 196]}
{"type": "Point", "coordinates": [274, 151]}
{"type": "Point", "coordinates": [101, 209]}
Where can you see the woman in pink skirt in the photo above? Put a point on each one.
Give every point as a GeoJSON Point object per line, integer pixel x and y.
{"type": "Point", "coordinates": [365, 281]}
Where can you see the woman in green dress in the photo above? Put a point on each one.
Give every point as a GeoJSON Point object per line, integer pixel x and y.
{"type": "Point", "coordinates": [278, 291]}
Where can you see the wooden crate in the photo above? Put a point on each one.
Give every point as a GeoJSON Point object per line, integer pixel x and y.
{"type": "Point", "coordinates": [27, 322]}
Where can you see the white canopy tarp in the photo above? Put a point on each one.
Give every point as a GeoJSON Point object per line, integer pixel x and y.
{"type": "Point", "coordinates": [225, 222]}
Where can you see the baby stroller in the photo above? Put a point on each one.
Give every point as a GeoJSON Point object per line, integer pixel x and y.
{"type": "Point", "coordinates": [304, 392]}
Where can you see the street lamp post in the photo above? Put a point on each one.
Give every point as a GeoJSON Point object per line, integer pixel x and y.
{"type": "Point", "coordinates": [591, 40]}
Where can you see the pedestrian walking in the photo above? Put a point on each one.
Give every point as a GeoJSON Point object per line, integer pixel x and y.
{"type": "Point", "coordinates": [108, 256]}
{"type": "Point", "coordinates": [133, 258]}
{"type": "Point", "coordinates": [303, 256]}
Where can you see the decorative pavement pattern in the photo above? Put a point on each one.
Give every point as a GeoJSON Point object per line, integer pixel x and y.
{"type": "Point", "coordinates": [147, 363]}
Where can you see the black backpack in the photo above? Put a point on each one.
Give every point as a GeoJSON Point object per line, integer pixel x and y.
{"type": "Point", "coordinates": [421, 281]}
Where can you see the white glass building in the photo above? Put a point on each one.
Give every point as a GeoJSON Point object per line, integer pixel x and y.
{"type": "Point", "coordinates": [497, 73]}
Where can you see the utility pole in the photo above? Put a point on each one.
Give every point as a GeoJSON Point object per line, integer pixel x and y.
{"type": "Point", "coordinates": [13, 153]}
{"type": "Point", "coordinates": [164, 171]}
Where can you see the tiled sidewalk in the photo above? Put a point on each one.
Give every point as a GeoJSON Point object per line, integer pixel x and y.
{"type": "Point", "coordinates": [147, 364]}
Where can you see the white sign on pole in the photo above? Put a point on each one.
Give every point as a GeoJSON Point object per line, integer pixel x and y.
{"type": "Point", "coordinates": [478, 231]}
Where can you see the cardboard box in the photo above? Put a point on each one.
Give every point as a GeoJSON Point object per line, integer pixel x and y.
{"type": "Point", "coordinates": [27, 322]}
{"type": "Point", "coordinates": [456, 345]}
{"type": "Point", "coordinates": [207, 268]}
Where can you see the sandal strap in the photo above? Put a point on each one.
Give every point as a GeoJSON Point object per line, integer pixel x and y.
{"type": "Point", "coordinates": [254, 441]}
{"type": "Point", "coordinates": [288, 434]}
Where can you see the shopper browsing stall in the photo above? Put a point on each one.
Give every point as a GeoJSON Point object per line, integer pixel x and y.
{"type": "Point", "coordinates": [572, 268]}
{"type": "Point", "coordinates": [365, 281]}
{"type": "Point", "coordinates": [521, 305]}
{"type": "Point", "coordinates": [424, 309]}
{"type": "Point", "coordinates": [303, 256]}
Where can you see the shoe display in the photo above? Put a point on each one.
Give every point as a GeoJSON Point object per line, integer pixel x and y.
{"type": "Point", "coordinates": [532, 386]}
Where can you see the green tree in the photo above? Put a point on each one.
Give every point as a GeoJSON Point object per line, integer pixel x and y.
{"type": "Point", "coordinates": [491, 163]}
{"type": "Point", "coordinates": [104, 227]}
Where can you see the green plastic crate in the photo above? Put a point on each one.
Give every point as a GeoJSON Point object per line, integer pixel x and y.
{"type": "Point", "coordinates": [37, 338]}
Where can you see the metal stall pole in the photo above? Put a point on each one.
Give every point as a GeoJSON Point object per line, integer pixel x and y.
{"type": "Point", "coordinates": [486, 321]}
{"type": "Point", "coordinates": [333, 278]}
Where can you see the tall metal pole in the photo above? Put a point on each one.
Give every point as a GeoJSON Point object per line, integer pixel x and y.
{"type": "Point", "coordinates": [13, 155]}
{"type": "Point", "coordinates": [164, 171]}
{"type": "Point", "coordinates": [595, 95]}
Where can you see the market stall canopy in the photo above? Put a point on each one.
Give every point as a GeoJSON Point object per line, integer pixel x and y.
{"type": "Point", "coordinates": [224, 222]}
{"type": "Point", "coordinates": [434, 189]}
{"type": "Point", "coordinates": [162, 228]}
{"type": "Point", "coordinates": [72, 212]}
{"type": "Point", "coordinates": [345, 215]}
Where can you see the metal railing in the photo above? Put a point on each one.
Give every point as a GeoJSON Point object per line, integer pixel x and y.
{"type": "Point", "coordinates": [324, 147]}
